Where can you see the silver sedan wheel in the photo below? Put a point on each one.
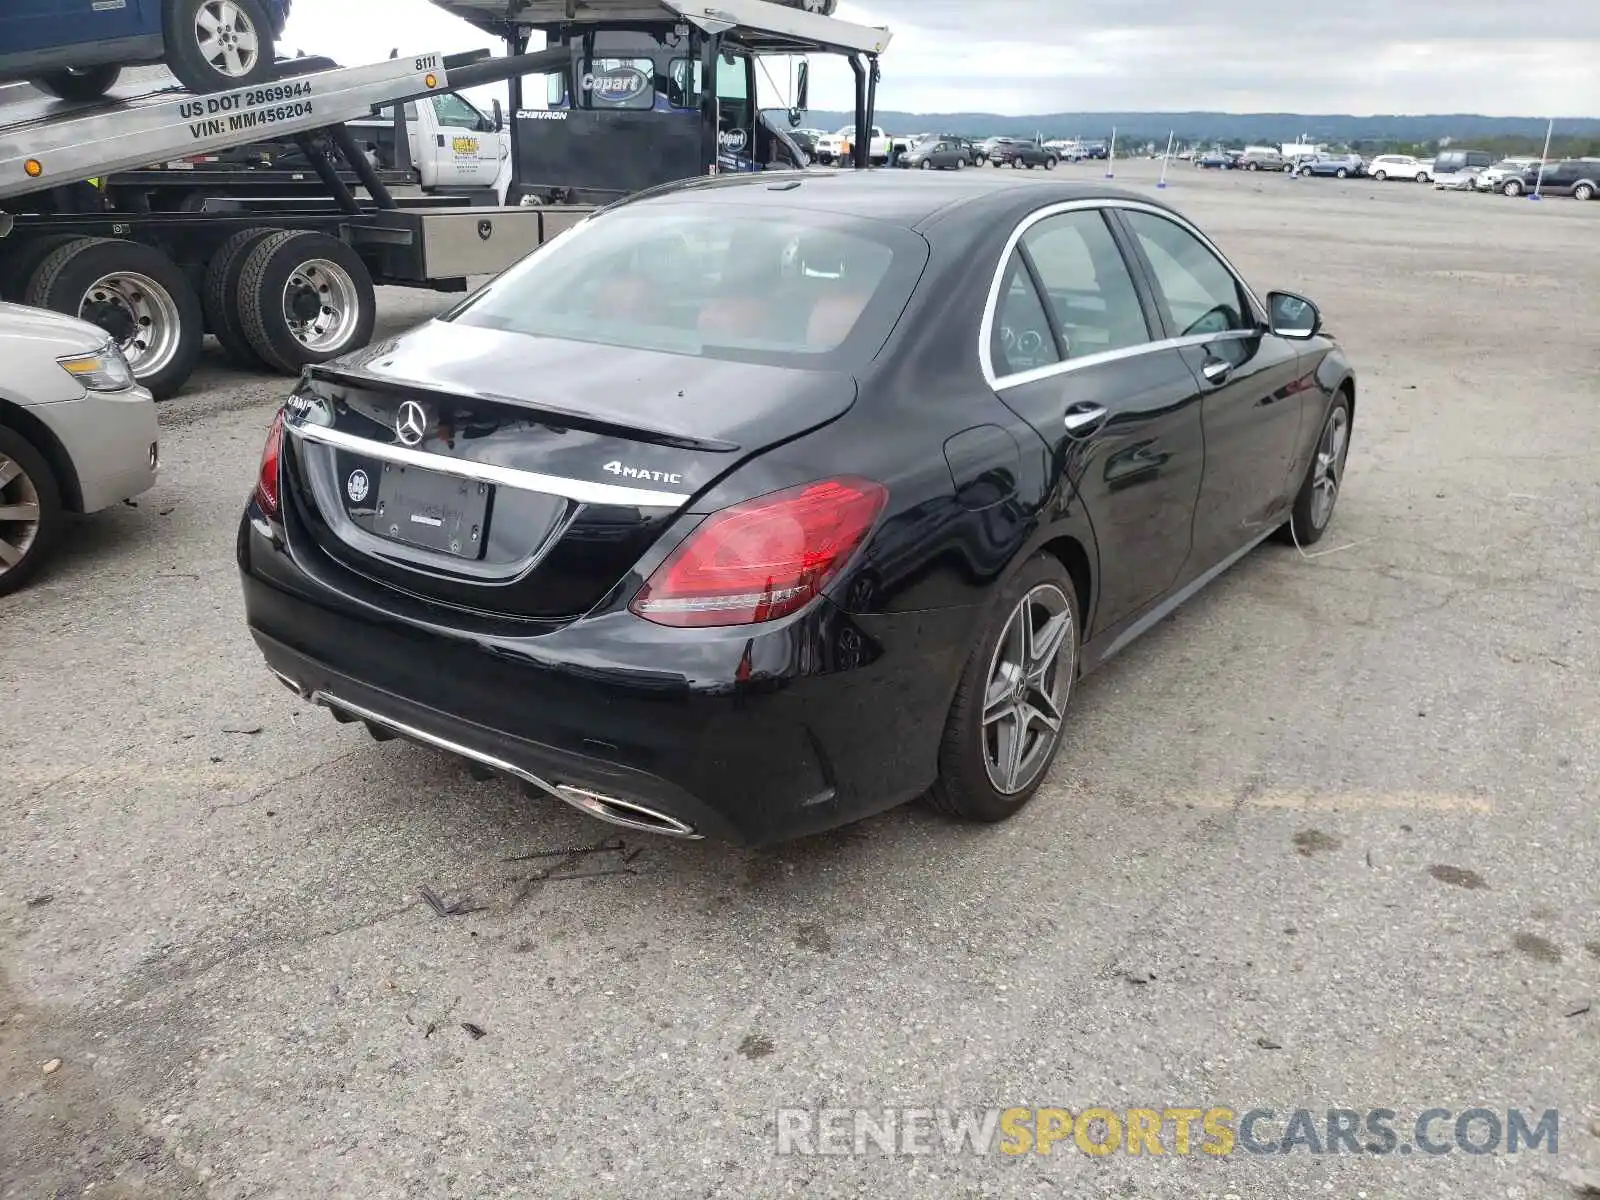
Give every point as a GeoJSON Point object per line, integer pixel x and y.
{"type": "Point", "coordinates": [227, 38]}
{"type": "Point", "coordinates": [1029, 680]}
{"type": "Point", "coordinates": [1329, 467]}
{"type": "Point", "coordinates": [19, 513]}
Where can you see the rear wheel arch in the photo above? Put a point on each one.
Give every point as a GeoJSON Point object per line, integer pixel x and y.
{"type": "Point", "coordinates": [44, 440]}
{"type": "Point", "coordinates": [1072, 555]}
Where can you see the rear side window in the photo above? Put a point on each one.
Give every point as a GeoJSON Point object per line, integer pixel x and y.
{"type": "Point", "coordinates": [1020, 338]}
{"type": "Point", "coordinates": [716, 281]}
{"type": "Point", "coordinates": [1087, 283]}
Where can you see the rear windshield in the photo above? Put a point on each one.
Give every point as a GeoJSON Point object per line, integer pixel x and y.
{"type": "Point", "coordinates": [771, 285]}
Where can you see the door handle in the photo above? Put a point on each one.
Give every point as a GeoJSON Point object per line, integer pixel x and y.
{"type": "Point", "coordinates": [1216, 370]}
{"type": "Point", "coordinates": [1084, 419]}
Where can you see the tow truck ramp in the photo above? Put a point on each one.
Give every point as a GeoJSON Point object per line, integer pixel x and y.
{"type": "Point", "coordinates": [86, 143]}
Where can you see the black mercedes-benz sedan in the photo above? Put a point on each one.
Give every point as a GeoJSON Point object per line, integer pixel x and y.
{"type": "Point", "coordinates": [757, 505]}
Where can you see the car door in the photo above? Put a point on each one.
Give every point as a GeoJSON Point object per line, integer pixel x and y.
{"type": "Point", "coordinates": [33, 25]}
{"type": "Point", "coordinates": [465, 152]}
{"type": "Point", "coordinates": [1250, 382]}
{"type": "Point", "coordinates": [1073, 350]}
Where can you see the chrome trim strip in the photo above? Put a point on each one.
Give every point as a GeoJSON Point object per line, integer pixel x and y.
{"type": "Point", "coordinates": [582, 490]}
{"type": "Point", "coordinates": [1166, 608]}
{"type": "Point", "coordinates": [669, 825]}
{"type": "Point", "coordinates": [1001, 382]}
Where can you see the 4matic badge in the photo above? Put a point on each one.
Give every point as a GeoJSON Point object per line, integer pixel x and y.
{"type": "Point", "coordinates": [617, 468]}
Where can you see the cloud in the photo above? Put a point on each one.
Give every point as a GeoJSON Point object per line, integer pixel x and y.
{"type": "Point", "coordinates": [1039, 56]}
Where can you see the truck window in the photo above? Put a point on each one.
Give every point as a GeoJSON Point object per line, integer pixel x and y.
{"type": "Point", "coordinates": [455, 113]}
{"type": "Point", "coordinates": [730, 79]}
{"type": "Point", "coordinates": [683, 83]}
{"type": "Point", "coordinates": [609, 83]}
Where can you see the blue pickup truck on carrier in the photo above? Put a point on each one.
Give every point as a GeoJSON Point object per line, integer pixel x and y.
{"type": "Point", "coordinates": [75, 49]}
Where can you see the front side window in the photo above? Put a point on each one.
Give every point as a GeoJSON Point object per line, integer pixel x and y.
{"type": "Point", "coordinates": [1201, 294]}
{"type": "Point", "coordinates": [731, 83]}
{"type": "Point", "coordinates": [455, 113]}
{"type": "Point", "coordinates": [683, 83]}
{"type": "Point", "coordinates": [1087, 282]}
{"type": "Point", "coordinates": [1020, 338]}
{"type": "Point", "coordinates": [754, 285]}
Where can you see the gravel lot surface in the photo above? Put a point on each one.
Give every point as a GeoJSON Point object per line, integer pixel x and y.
{"type": "Point", "coordinates": [1325, 838]}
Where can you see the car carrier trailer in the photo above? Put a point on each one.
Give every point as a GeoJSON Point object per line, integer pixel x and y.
{"type": "Point", "coordinates": [285, 281]}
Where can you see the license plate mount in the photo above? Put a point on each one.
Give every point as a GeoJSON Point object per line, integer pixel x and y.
{"type": "Point", "coordinates": [431, 510]}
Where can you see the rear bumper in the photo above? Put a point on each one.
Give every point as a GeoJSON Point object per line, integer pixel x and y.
{"type": "Point", "coordinates": [714, 733]}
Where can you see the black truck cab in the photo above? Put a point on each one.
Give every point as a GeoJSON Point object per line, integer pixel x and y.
{"type": "Point", "coordinates": [635, 94]}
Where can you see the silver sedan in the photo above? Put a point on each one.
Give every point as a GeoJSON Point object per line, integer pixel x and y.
{"type": "Point", "coordinates": [76, 433]}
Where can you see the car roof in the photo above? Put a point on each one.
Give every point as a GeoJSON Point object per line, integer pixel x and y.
{"type": "Point", "coordinates": [908, 198]}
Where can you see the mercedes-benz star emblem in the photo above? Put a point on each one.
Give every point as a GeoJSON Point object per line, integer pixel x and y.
{"type": "Point", "coordinates": [412, 423]}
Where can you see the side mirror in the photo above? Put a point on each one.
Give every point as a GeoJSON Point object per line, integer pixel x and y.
{"type": "Point", "coordinates": [1292, 316]}
{"type": "Point", "coordinates": [499, 117]}
{"type": "Point", "coordinates": [802, 87]}
{"type": "Point", "coordinates": [794, 118]}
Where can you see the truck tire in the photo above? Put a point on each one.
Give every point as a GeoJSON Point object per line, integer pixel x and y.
{"type": "Point", "coordinates": [78, 83]}
{"type": "Point", "coordinates": [30, 510]}
{"type": "Point", "coordinates": [305, 298]}
{"type": "Point", "coordinates": [24, 260]}
{"type": "Point", "coordinates": [221, 297]}
{"type": "Point", "coordinates": [214, 45]}
{"type": "Point", "coordinates": [136, 294]}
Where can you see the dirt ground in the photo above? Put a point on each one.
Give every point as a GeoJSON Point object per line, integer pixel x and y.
{"type": "Point", "coordinates": [1326, 837]}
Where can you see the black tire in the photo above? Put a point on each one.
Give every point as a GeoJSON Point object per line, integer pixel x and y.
{"type": "Point", "coordinates": [1305, 172]}
{"type": "Point", "coordinates": [20, 263]}
{"type": "Point", "coordinates": [37, 484]}
{"type": "Point", "coordinates": [264, 281]}
{"type": "Point", "coordinates": [1512, 187]}
{"type": "Point", "coordinates": [64, 282]}
{"type": "Point", "coordinates": [221, 297]}
{"type": "Point", "coordinates": [1380, 176]}
{"type": "Point", "coordinates": [1341, 173]}
{"type": "Point", "coordinates": [961, 164]}
{"type": "Point", "coordinates": [1301, 527]}
{"type": "Point", "coordinates": [1584, 191]}
{"type": "Point", "coordinates": [78, 83]}
{"type": "Point", "coordinates": [189, 63]}
{"type": "Point", "coordinates": [1252, 166]}
{"type": "Point", "coordinates": [964, 788]}
{"type": "Point", "coordinates": [1422, 177]}
{"type": "Point", "coordinates": [1050, 164]}
{"type": "Point", "coordinates": [925, 165]}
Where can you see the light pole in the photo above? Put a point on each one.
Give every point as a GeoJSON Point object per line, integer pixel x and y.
{"type": "Point", "coordinates": [1539, 179]}
{"type": "Point", "coordinates": [1111, 154]}
{"type": "Point", "coordinates": [1162, 182]}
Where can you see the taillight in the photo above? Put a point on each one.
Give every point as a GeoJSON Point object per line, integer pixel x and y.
{"type": "Point", "coordinates": [762, 559]}
{"type": "Point", "coordinates": [271, 457]}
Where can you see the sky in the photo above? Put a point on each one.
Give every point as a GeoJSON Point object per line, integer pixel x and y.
{"type": "Point", "coordinates": [1021, 57]}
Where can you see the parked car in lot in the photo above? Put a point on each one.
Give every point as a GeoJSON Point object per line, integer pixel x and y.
{"type": "Point", "coordinates": [76, 434]}
{"type": "Point", "coordinates": [943, 153]}
{"type": "Point", "coordinates": [1016, 153]}
{"type": "Point", "coordinates": [1450, 162]}
{"type": "Point", "coordinates": [1400, 166]}
{"type": "Point", "coordinates": [1258, 159]}
{"type": "Point", "coordinates": [1461, 180]}
{"type": "Point", "coordinates": [1575, 177]}
{"type": "Point", "coordinates": [76, 49]}
{"type": "Point", "coordinates": [717, 590]}
{"type": "Point", "coordinates": [1215, 160]}
{"type": "Point", "coordinates": [1340, 166]}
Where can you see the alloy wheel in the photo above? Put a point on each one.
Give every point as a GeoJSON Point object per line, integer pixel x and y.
{"type": "Point", "coordinates": [227, 38]}
{"type": "Point", "coordinates": [1029, 681]}
{"type": "Point", "coordinates": [140, 314]}
{"type": "Point", "coordinates": [19, 514]}
{"type": "Point", "coordinates": [321, 305]}
{"type": "Point", "coordinates": [1328, 470]}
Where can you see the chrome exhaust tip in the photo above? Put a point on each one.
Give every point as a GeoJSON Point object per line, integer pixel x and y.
{"type": "Point", "coordinates": [627, 813]}
{"type": "Point", "coordinates": [288, 683]}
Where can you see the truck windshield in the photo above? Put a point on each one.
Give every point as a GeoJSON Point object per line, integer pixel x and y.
{"type": "Point", "coordinates": [754, 284]}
